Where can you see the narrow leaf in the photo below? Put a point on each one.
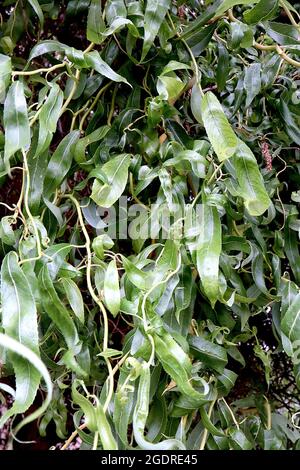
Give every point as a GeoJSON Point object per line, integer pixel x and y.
{"type": "Point", "coordinates": [37, 9]}
{"type": "Point", "coordinates": [95, 23]}
{"type": "Point", "coordinates": [30, 357]}
{"type": "Point", "coordinates": [37, 168]}
{"type": "Point", "coordinates": [200, 39]}
{"type": "Point", "coordinates": [94, 60]}
{"type": "Point", "coordinates": [291, 249]}
{"type": "Point", "coordinates": [252, 82]}
{"type": "Point", "coordinates": [251, 183]}
{"type": "Point", "coordinates": [60, 163]}
{"type": "Point", "coordinates": [208, 251]}
{"type": "Point", "coordinates": [141, 412]}
{"type": "Point", "coordinates": [139, 278]}
{"type": "Point", "coordinates": [177, 364]}
{"type": "Point", "coordinates": [223, 67]}
{"type": "Point", "coordinates": [283, 34]}
{"type": "Point", "coordinates": [226, 4]}
{"type": "Point", "coordinates": [57, 311]}
{"type": "Point", "coordinates": [196, 99]}
{"type": "Point", "coordinates": [5, 73]}
{"type": "Point", "coordinates": [111, 288]}
{"type": "Point", "coordinates": [238, 440]}
{"type": "Point", "coordinates": [290, 322]}
{"type": "Point", "coordinates": [82, 144]}
{"type": "Point", "coordinates": [74, 297]}
{"type": "Point", "coordinates": [51, 108]}
{"type": "Point", "coordinates": [16, 124]}
{"type": "Point", "coordinates": [115, 9]}
{"type": "Point", "coordinates": [95, 418]}
{"type": "Point", "coordinates": [154, 16]}
{"type": "Point", "coordinates": [44, 47]}
{"type": "Point", "coordinates": [48, 117]}
{"type": "Point", "coordinates": [263, 10]}
{"type": "Point", "coordinates": [218, 129]}
{"type": "Point", "coordinates": [19, 320]}
{"type": "Point", "coordinates": [115, 173]}
{"type": "Point", "coordinates": [210, 354]}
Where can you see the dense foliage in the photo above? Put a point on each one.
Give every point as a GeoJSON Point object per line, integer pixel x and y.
{"type": "Point", "coordinates": [149, 234]}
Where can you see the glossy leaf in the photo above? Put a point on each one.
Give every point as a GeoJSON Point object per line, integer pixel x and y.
{"type": "Point", "coordinates": [94, 60]}
{"type": "Point", "coordinates": [138, 277]}
{"type": "Point", "coordinates": [60, 162]}
{"type": "Point", "coordinates": [238, 440]}
{"type": "Point", "coordinates": [251, 185]}
{"type": "Point", "coordinates": [101, 243]}
{"type": "Point", "coordinates": [292, 251]}
{"type": "Point", "coordinates": [283, 34]}
{"type": "Point", "coordinates": [48, 117]}
{"type": "Point", "coordinates": [262, 11]}
{"type": "Point", "coordinates": [114, 174]}
{"type": "Point", "coordinates": [57, 311]}
{"type": "Point", "coordinates": [218, 129]}
{"type": "Point", "coordinates": [33, 361]}
{"type": "Point", "coordinates": [7, 234]}
{"type": "Point", "coordinates": [50, 111]}
{"type": "Point", "coordinates": [196, 98]}
{"type": "Point", "coordinates": [199, 40]}
{"type": "Point", "coordinates": [44, 47]}
{"type": "Point", "coordinates": [290, 322]}
{"type": "Point", "coordinates": [81, 145]}
{"type": "Point", "coordinates": [252, 82]}
{"type": "Point", "coordinates": [37, 167]}
{"type": "Point", "coordinates": [19, 321]}
{"type": "Point", "coordinates": [226, 4]}
{"type": "Point", "coordinates": [141, 413]}
{"type": "Point", "coordinates": [201, 20]}
{"type": "Point", "coordinates": [208, 251]}
{"type": "Point", "coordinates": [223, 67]}
{"type": "Point", "coordinates": [241, 35]}
{"type": "Point", "coordinates": [154, 16]}
{"type": "Point", "coordinates": [290, 122]}
{"type": "Point", "coordinates": [95, 23]}
{"type": "Point", "coordinates": [5, 72]}
{"type": "Point", "coordinates": [114, 9]}
{"type": "Point", "coordinates": [176, 363]}
{"type": "Point", "coordinates": [106, 436]}
{"type": "Point", "coordinates": [38, 11]}
{"type": "Point", "coordinates": [74, 298]}
{"type": "Point", "coordinates": [16, 123]}
{"type": "Point", "coordinates": [211, 354]}
{"type": "Point", "coordinates": [111, 288]}
{"type": "Point", "coordinates": [117, 24]}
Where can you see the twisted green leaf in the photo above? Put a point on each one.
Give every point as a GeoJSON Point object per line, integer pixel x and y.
{"type": "Point", "coordinates": [19, 321]}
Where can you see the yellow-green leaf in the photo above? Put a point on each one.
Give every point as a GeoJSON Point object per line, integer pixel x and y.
{"type": "Point", "coordinates": [112, 289]}
{"type": "Point", "coordinates": [219, 131]}
{"type": "Point", "coordinates": [209, 250]}
{"type": "Point", "coordinates": [19, 321]}
{"type": "Point", "coordinates": [250, 180]}
{"type": "Point", "coordinates": [16, 123]}
{"type": "Point", "coordinates": [114, 173]}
